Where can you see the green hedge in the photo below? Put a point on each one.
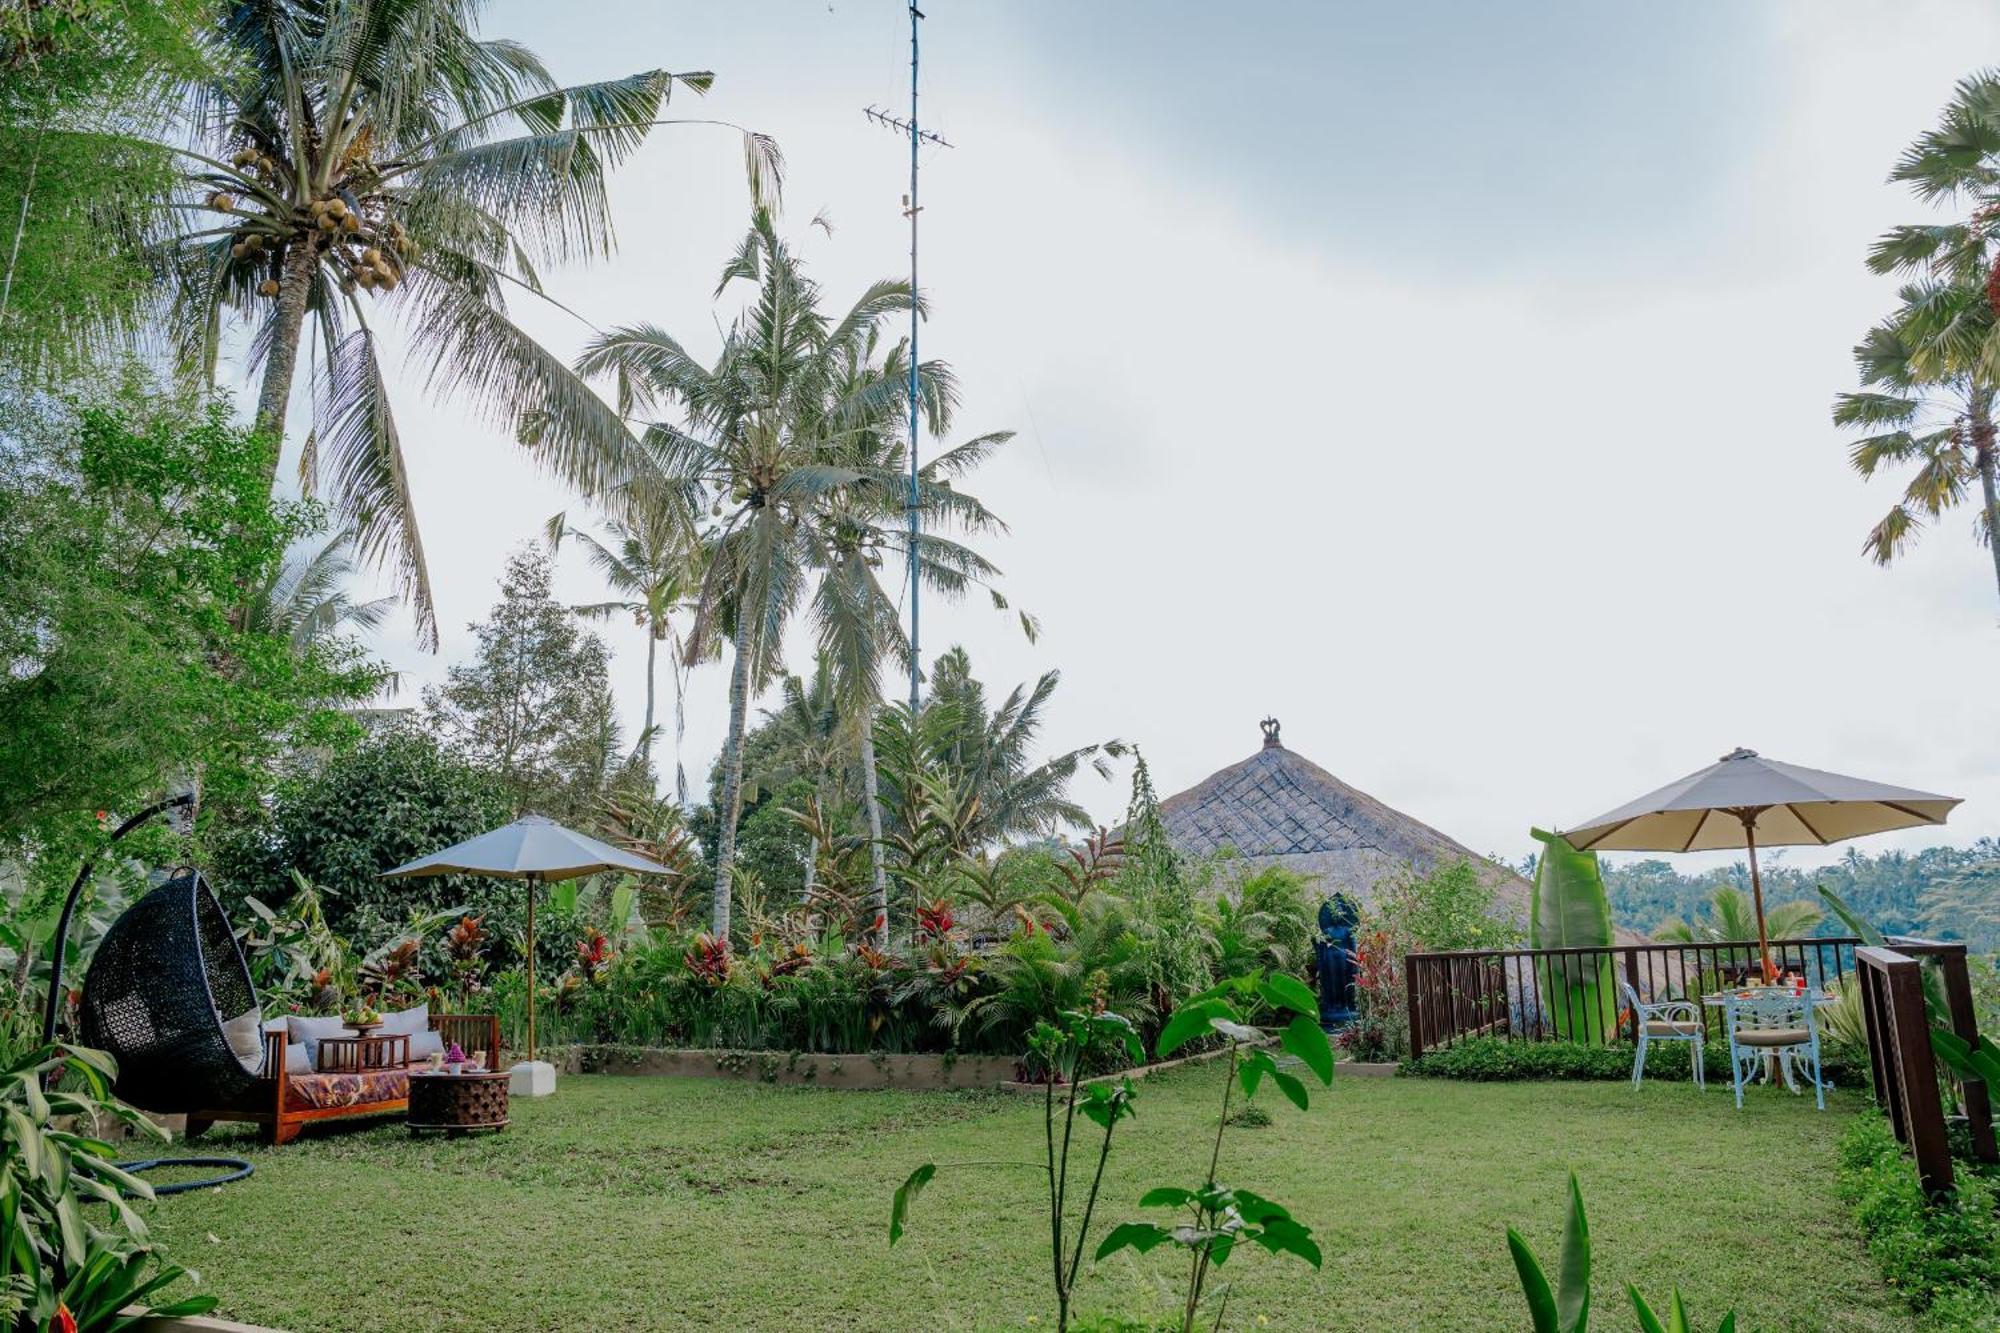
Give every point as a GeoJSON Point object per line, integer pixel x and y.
{"type": "Point", "coordinates": [1943, 1258]}
{"type": "Point", "coordinates": [1496, 1060]}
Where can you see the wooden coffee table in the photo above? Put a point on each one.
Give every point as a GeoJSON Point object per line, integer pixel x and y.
{"type": "Point", "coordinates": [457, 1103]}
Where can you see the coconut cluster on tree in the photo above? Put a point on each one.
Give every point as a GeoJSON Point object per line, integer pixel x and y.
{"type": "Point", "coordinates": [347, 221]}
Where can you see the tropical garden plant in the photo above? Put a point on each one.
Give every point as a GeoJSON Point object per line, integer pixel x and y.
{"type": "Point", "coordinates": [1064, 1048]}
{"type": "Point", "coordinates": [1731, 917]}
{"type": "Point", "coordinates": [1563, 1306]}
{"type": "Point", "coordinates": [1218, 1217]}
{"type": "Point", "coordinates": [60, 1267]}
{"type": "Point", "coordinates": [1570, 911]}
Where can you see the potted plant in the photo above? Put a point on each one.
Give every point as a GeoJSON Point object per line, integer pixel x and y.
{"type": "Point", "coordinates": [454, 1058]}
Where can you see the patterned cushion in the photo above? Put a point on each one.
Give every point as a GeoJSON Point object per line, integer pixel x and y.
{"type": "Point", "coordinates": [328, 1091]}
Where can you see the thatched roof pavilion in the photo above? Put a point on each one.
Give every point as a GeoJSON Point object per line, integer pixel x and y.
{"type": "Point", "coordinates": [1279, 808]}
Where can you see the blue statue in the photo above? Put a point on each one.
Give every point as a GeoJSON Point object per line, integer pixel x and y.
{"type": "Point", "coordinates": [1334, 952]}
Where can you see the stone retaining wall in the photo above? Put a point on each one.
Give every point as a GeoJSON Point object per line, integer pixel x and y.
{"type": "Point", "coordinates": [920, 1073]}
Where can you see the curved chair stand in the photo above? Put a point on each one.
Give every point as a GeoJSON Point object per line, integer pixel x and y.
{"type": "Point", "coordinates": [1669, 1020]}
{"type": "Point", "coordinates": [163, 980]}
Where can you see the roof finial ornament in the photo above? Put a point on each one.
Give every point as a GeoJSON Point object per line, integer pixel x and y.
{"type": "Point", "coordinates": [1270, 727]}
{"type": "Point", "coordinates": [1739, 753]}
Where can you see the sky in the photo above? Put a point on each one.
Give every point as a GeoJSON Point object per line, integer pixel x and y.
{"type": "Point", "coordinates": [1450, 380]}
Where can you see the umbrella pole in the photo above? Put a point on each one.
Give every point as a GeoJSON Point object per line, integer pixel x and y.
{"type": "Point", "coordinates": [1756, 896]}
{"type": "Point", "coordinates": [531, 961]}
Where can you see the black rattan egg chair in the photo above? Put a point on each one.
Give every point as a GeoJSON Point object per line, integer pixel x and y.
{"type": "Point", "coordinates": [163, 980]}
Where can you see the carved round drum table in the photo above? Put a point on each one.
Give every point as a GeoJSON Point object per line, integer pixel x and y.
{"type": "Point", "coordinates": [457, 1103]}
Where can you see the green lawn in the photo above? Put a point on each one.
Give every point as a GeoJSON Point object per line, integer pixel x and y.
{"type": "Point", "coordinates": [653, 1203]}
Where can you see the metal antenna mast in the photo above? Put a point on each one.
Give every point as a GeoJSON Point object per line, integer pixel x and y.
{"type": "Point", "coordinates": [911, 208]}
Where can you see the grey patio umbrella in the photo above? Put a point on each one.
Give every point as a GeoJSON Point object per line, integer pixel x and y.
{"type": "Point", "coordinates": [1745, 800]}
{"type": "Point", "coordinates": [534, 849]}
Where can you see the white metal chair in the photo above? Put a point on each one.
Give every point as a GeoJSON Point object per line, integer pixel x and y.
{"type": "Point", "coordinates": [1772, 1021]}
{"type": "Point", "coordinates": [1668, 1020]}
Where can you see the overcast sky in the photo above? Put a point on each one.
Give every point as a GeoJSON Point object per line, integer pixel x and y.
{"type": "Point", "coordinates": [1449, 380]}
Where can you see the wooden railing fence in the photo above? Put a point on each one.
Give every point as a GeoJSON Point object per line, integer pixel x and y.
{"type": "Point", "coordinates": [1532, 994]}
{"type": "Point", "coordinates": [1574, 995]}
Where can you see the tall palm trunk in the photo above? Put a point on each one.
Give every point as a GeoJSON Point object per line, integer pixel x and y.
{"type": "Point", "coordinates": [294, 286]}
{"type": "Point", "coordinates": [1982, 450]}
{"type": "Point", "coordinates": [646, 734]}
{"type": "Point", "coordinates": [732, 776]}
{"type": "Point", "coordinates": [871, 790]}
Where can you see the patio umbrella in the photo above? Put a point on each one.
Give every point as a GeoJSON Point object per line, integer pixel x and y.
{"type": "Point", "coordinates": [1745, 800]}
{"type": "Point", "coordinates": [534, 849]}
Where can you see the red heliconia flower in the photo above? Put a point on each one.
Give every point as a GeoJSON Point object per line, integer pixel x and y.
{"type": "Point", "coordinates": [935, 920]}
{"type": "Point", "coordinates": [65, 1322]}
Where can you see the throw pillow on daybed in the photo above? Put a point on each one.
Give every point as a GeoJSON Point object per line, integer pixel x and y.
{"type": "Point", "coordinates": [414, 1023]}
{"type": "Point", "coordinates": [312, 1031]}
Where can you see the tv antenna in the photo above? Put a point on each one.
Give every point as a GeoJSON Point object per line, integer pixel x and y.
{"type": "Point", "coordinates": [918, 136]}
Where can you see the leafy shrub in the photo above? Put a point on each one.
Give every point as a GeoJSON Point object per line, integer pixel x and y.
{"type": "Point", "coordinates": [1944, 1256]}
{"type": "Point", "coordinates": [1497, 1060]}
{"type": "Point", "coordinates": [1451, 908]}
{"type": "Point", "coordinates": [394, 797]}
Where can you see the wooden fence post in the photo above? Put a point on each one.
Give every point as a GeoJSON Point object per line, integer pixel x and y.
{"type": "Point", "coordinates": [1906, 1063]}
{"type": "Point", "coordinates": [1965, 1022]}
{"type": "Point", "coordinates": [1410, 994]}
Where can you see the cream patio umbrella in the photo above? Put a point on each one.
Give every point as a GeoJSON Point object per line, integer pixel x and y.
{"type": "Point", "coordinates": [534, 849]}
{"type": "Point", "coordinates": [1744, 800]}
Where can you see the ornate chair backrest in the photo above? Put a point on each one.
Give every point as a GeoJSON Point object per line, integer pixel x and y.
{"type": "Point", "coordinates": [1764, 1007]}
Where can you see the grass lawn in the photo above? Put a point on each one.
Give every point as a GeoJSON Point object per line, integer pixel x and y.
{"type": "Point", "coordinates": [657, 1203]}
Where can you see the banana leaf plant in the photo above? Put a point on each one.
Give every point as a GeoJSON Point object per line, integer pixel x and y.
{"type": "Point", "coordinates": [1570, 911]}
{"type": "Point", "coordinates": [1965, 1059]}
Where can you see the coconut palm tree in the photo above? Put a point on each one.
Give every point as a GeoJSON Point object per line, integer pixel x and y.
{"type": "Point", "coordinates": [1930, 370]}
{"type": "Point", "coordinates": [810, 741]}
{"type": "Point", "coordinates": [653, 563]}
{"type": "Point", "coordinates": [755, 444]}
{"type": "Point", "coordinates": [863, 531]}
{"type": "Point", "coordinates": [305, 598]}
{"type": "Point", "coordinates": [1924, 404]}
{"type": "Point", "coordinates": [992, 750]}
{"type": "Point", "coordinates": [361, 156]}
{"type": "Point", "coordinates": [1731, 917]}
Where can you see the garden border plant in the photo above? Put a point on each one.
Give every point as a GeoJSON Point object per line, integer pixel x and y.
{"type": "Point", "coordinates": [1943, 1255]}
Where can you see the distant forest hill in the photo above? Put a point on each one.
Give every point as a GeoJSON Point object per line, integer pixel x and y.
{"type": "Point", "coordinates": [1950, 893]}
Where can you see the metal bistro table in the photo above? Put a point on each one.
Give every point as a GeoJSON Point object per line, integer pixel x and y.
{"type": "Point", "coordinates": [1777, 1061]}
{"type": "Point", "coordinates": [457, 1103]}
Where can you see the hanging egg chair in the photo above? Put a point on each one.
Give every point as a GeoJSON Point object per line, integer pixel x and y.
{"type": "Point", "coordinates": [169, 996]}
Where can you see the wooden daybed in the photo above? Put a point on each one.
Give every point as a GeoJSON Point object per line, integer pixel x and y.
{"type": "Point", "coordinates": [354, 1076]}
